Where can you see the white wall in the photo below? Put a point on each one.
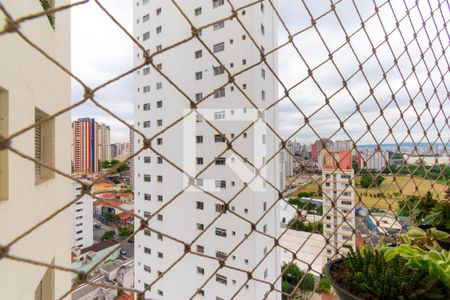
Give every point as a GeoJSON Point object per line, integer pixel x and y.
{"type": "Point", "coordinates": [33, 81]}
{"type": "Point", "coordinates": [82, 219]}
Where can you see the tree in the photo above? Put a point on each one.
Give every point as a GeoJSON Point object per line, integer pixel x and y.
{"type": "Point", "coordinates": [111, 217]}
{"type": "Point", "coordinates": [109, 235]}
{"type": "Point", "coordinates": [124, 231]}
{"type": "Point", "coordinates": [370, 180]}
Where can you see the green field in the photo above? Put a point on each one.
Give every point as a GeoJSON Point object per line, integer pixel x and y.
{"type": "Point", "coordinates": [372, 197]}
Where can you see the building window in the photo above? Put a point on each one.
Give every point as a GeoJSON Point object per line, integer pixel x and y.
{"type": "Point", "coordinates": [147, 178]}
{"type": "Point", "coordinates": [159, 122]}
{"type": "Point", "coordinates": [160, 255]}
{"type": "Point", "coordinates": [199, 139]}
{"type": "Point", "coordinates": [264, 206]}
{"type": "Point", "coordinates": [199, 160]}
{"type": "Point", "coordinates": [146, 36]}
{"type": "Point", "coordinates": [265, 228]}
{"type": "Point", "coordinates": [147, 232]}
{"type": "Point", "coordinates": [199, 182]}
{"type": "Point", "coordinates": [198, 11]}
{"type": "Point", "coordinates": [219, 115]}
{"type": "Point", "coordinates": [219, 47]}
{"type": "Point", "coordinates": [263, 95]}
{"type": "Point", "coordinates": [198, 54]}
{"type": "Point", "coordinates": [219, 70]}
{"type": "Point", "coordinates": [147, 197]}
{"type": "Point", "coordinates": [146, 71]}
{"type": "Point", "coordinates": [147, 269]}
{"type": "Point", "coordinates": [200, 249]}
{"type": "Point", "coordinates": [146, 124]}
{"type": "Point", "coordinates": [219, 25]}
{"type": "Point", "coordinates": [159, 85]}
{"type": "Point", "coordinates": [159, 178]}
{"type": "Point", "coordinates": [217, 3]}
{"type": "Point", "coordinates": [199, 75]}
{"type": "Point", "coordinates": [263, 31]}
{"type": "Point", "coordinates": [159, 141]}
{"type": "Point", "coordinates": [160, 217]}
{"type": "Point", "coordinates": [219, 93]}
{"type": "Point", "coordinates": [158, 11]}
{"type": "Point", "coordinates": [221, 279]}
{"type": "Point", "coordinates": [146, 106]}
{"type": "Point", "coordinates": [158, 29]}
{"type": "Point", "coordinates": [147, 250]}
{"type": "Point", "coordinates": [221, 232]}
{"type": "Point", "coordinates": [218, 138]}
{"type": "Point", "coordinates": [159, 160]}
{"type": "Point", "coordinates": [200, 226]}
{"type": "Point", "coordinates": [263, 73]}
{"type": "Point", "coordinates": [160, 198]}
{"type": "Point", "coordinates": [4, 112]}
{"type": "Point", "coordinates": [44, 146]}
{"type": "Point", "coordinates": [198, 96]}
{"type": "Point", "coordinates": [146, 89]}
{"type": "Point", "coordinates": [220, 208]}
{"type": "Point", "coordinates": [221, 255]}
{"type": "Point", "coordinates": [145, 18]}
{"type": "Point", "coordinates": [244, 62]}
{"type": "Point", "coordinates": [199, 205]}
{"type": "Point", "coordinates": [200, 270]}
{"type": "Point", "coordinates": [159, 104]}
{"type": "Point", "coordinates": [220, 161]}
{"type": "Point", "coordinates": [147, 159]}
{"type": "Point", "coordinates": [145, 2]}
{"type": "Point", "coordinates": [160, 293]}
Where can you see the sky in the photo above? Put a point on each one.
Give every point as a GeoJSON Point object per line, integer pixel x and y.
{"type": "Point", "coordinates": [100, 51]}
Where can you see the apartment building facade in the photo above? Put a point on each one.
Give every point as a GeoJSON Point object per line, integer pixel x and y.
{"type": "Point", "coordinates": [104, 142]}
{"type": "Point", "coordinates": [192, 144]}
{"type": "Point", "coordinates": [85, 137]}
{"type": "Point", "coordinates": [32, 88]}
{"type": "Point", "coordinates": [82, 219]}
{"type": "Point", "coordinates": [338, 202]}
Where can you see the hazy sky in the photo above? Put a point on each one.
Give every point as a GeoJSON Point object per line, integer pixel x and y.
{"type": "Point", "coordinates": [101, 51]}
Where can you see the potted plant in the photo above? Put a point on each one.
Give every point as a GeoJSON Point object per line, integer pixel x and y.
{"type": "Point", "coordinates": [433, 213]}
{"type": "Point", "coordinates": [412, 270]}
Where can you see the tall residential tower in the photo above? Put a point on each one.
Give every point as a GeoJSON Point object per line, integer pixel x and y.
{"type": "Point", "coordinates": [192, 144]}
{"type": "Point", "coordinates": [85, 146]}
{"type": "Point", "coordinates": [338, 201]}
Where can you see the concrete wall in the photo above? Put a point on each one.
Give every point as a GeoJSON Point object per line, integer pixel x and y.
{"type": "Point", "coordinates": [31, 81]}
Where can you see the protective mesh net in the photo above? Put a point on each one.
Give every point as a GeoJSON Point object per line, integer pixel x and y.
{"type": "Point", "coordinates": [380, 77]}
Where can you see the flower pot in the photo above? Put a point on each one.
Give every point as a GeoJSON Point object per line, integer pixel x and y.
{"type": "Point", "coordinates": [341, 293]}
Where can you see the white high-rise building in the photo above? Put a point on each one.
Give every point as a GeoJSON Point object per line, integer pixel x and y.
{"type": "Point", "coordinates": [337, 188]}
{"type": "Point", "coordinates": [192, 144]}
{"type": "Point", "coordinates": [82, 219]}
{"type": "Point", "coordinates": [104, 142]}
{"type": "Point", "coordinates": [32, 88]}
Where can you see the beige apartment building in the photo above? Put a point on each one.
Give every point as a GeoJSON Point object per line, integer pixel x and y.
{"type": "Point", "coordinates": [32, 88]}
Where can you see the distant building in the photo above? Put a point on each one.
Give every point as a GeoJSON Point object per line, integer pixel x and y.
{"type": "Point", "coordinates": [372, 159]}
{"type": "Point", "coordinates": [85, 146]}
{"type": "Point", "coordinates": [104, 142]}
{"type": "Point", "coordinates": [338, 201]}
{"type": "Point", "coordinates": [116, 273]}
{"type": "Point", "coordinates": [312, 251]}
{"type": "Point", "coordinates": [113, 150]}
{"type": "Point", "coordinates": [289, 161]}
{"type": "Point", "coordinates": [82, 219]}
{"type": "Point", "coordinates": [342, 145]}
